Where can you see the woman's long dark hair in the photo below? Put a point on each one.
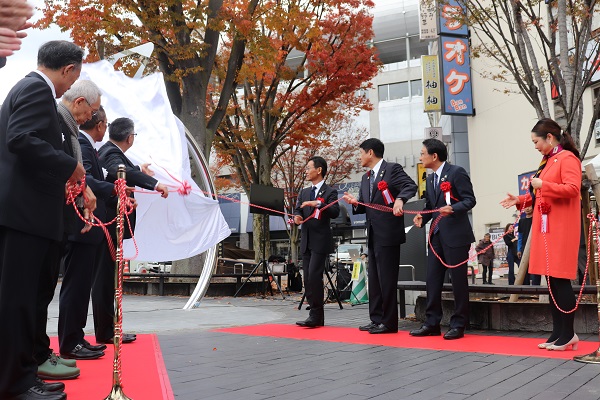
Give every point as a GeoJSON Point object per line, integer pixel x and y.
{"type": "Point", "coordinates": [548, 126]}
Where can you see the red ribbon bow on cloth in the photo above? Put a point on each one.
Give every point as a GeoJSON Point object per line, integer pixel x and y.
{"type": "Point", "coordinates": [317, 211]}
{"type": "Point", "coordinates": [446, 188]}
{"type": "Point", "coordinates": [383, 188]}
{"type": "Point", "coordinates": [545, 210]}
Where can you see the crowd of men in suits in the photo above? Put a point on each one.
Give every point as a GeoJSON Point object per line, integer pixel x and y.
{"type": "Point", "coordinates": [44, 147]}
{"type": "Point", "coordinates": [385, 185]}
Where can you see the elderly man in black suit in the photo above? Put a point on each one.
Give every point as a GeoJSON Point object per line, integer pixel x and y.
{"type": "Point", "coordinates": [384, 184]}
{"type": "Point", "coordinates": [83, 249]}
{"type": "Point", "coordinates": [34, 164]}
{"type": "Point", "coordinates": [317, 241]}
{"type": "Point", "coordinates": [121, 133]}
{"type": "Point", "coordinates": [77, 105]}
{"type": "Point", "coordinates": [448, 189]}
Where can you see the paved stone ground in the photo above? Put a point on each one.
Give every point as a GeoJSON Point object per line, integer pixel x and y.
{"type": "Point", "coordinates": [210, 365]}
{"type": "Point", "coordinates": [203, 364]}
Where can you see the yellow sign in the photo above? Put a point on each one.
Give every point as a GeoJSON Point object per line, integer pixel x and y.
{"type": "Point", "coordinates": [432, 100]}
{"type": "Point", "coordinates": [421, 177]}
{"type": "Point", "coordinates": [356, 270]}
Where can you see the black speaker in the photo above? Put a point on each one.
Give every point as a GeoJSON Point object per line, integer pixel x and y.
{"type": "Point", "coordinates": [344, 277]}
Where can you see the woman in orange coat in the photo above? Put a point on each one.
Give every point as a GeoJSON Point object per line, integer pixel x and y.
{"type": "Point", "coordinates": [555, 196]}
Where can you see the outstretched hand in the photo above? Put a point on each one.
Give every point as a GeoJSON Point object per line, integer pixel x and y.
{"type": "Point", "coordinates": [510, 201]}
{"type": "Point", "coordinates": [145, 168]}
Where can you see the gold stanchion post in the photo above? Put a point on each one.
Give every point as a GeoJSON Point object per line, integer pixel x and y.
{"type": "Point", "coordinates": [117, 390]}
{"type": "Point", "coordinates": [593, 358]}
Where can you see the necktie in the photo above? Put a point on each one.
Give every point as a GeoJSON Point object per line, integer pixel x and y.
{"type": "Point", "coordinates": [371, 182]}
{"type": "Point", "coordinates": [313, 192]}
{"type": "Point", "coordinates": [435, 192]}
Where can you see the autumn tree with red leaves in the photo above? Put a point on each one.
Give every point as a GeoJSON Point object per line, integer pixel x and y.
{"type": "Point", "coordinates": [304, 68]}
{"type": "Point", "coordinates": [339, 147]}
{"type": "Point", "coordinates": [186, 36]}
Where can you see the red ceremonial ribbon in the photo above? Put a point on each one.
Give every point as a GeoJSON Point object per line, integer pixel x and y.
{"type": "Point", "coordinates": [317, 210]}
{"type": "Point", "coordinates": [383, 188]}
{"type": "Point", "coordinates": [446, 187]}
{"type": "Point", "coordinates": [544, 209]}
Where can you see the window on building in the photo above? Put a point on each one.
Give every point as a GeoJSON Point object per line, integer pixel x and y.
{"type": "Point", "coordinates": [416, 88]}
{"type": "Point", "coordinates": [417, 47]}
{"type": "Point", "coordinates": [400, 90]}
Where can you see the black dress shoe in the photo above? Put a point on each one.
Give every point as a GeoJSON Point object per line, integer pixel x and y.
{"type": "Point", "coordinates": [49, 387]}
{"type": "Point", "coordinates": [127, 338]}
{"type": "Point", "coordinates": [426, 331]}
{"type": "Point", "coordinates": [80, 352]}
{"type": "Point", "coordinates": [312, 322]}
{"type": "Point", "coordinates": [454, 333]}
{"type": "Point", "coordinates": [366, 328]}
{"type": "Point", "coordinates": [89, 346]}
{"type": "Point", "coordinates": [381, 328]}
{"type": "Point", "coordinates": [37, 393]}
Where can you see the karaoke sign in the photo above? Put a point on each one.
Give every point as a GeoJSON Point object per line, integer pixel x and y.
{"type": "Point", "coordinates": [456, 76]}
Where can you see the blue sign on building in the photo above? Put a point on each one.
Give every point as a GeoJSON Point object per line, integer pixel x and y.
{"type": "Point", "coordinates": [451, 19]}
{"type": "Point", "coordinates": [524, 180]}
{"type": "Point", "coordinates": [457, 96]}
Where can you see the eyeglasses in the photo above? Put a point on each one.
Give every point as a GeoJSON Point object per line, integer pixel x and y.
{"type": "Point", "coordinates": [133, 134]}
{"type": "Point", "coordinates": [94, 112]}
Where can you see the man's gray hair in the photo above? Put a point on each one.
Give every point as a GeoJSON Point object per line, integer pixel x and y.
{"type": "Point", "coordinates": [83, 88]}
{"type": "Point", "coordinates": [120, 129]}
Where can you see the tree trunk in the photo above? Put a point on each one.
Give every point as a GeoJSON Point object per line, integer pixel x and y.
{"type": "Point", "coordinates": [264, 178]}
{"type": "Point", "coordinates": [294, 243]}
{"type": "Point", "coordinates": [261, 237]}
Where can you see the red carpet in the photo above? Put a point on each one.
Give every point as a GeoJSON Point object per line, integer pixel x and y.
{"type": "Point", "coordinates": [510, 346]}
{"type": "Point", "coordinates": [144, 374]}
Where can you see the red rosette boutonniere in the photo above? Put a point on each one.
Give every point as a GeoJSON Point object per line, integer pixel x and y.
{"type": "Point", "coordinates": [446, 188]}
{"type": "Point", "coordinates": [387, 196]}
{"type": "Point", "coordinates": [317, 210]}
{"type": "Point", "coordinates": [544, 210]}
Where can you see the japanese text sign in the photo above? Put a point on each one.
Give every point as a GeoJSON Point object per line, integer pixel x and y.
{"type": "Point", "coordinates": [456, 76]}
{"type": "Point", "coordinates": [524, 180]}
{"type": "Point", "coordinates": [452, 19]}
{"type": "Point", "coordinates": [432, 100]}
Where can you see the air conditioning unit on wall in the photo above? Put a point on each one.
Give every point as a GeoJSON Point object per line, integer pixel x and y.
{"type": "Point", "coordinates": [597, 129]}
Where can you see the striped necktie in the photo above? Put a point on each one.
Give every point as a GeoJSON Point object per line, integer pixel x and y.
{"type": "Point", "coordinates": [537, 174]}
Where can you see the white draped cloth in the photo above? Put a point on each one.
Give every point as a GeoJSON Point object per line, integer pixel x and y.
{"type": "Point", "coordinates": [180, 226]}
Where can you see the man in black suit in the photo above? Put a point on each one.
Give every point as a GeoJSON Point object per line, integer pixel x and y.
{"type": "Point", "coordinates": [34, 164]}
{"type": "Point", "coordinates": [83, 250]}
{"type": "Point", "coordinates": [121, 133]}
{"type": "Point", "coordinates": [77, 106]}
{"type": "Point", "coordinates": [449, 189]}
{"type": "Point", "coordinates": [317, 241]}
{"type": "Point", "coordinates": [384, 184]}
